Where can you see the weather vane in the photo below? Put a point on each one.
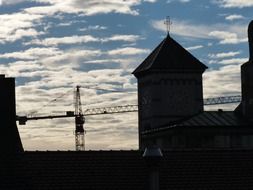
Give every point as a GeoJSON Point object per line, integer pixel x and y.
{"type": "Point", "coordinates": [168, 23]}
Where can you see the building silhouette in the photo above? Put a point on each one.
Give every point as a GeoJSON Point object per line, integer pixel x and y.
{"type": "Point", "coordinates": [198, 149]}
{"type": "Point", "coordinates": [170, 100]}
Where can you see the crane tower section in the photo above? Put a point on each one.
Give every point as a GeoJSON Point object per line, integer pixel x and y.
{"type": "Point", "coordinates": [79, 121]}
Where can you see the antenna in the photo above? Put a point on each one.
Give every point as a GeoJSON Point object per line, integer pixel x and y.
{"type": "Point", "coordinates": [168, 23]}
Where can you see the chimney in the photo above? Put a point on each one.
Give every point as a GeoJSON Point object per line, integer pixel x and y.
{"type": "Point", "coordinates": [246, 106]}
{"type": "Point", "coordinates": [10, 141]}
{"type": "Point", "coordinates": [153, 156]}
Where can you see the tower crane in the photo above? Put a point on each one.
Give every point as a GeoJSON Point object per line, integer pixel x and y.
{"type": "Point", "coordinates": [79, 114]}
{"type": "Point", "coordinates": [79, 121]}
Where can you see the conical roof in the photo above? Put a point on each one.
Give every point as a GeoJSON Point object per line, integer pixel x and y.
{"type": "Point", "coordinates": [169, 56]}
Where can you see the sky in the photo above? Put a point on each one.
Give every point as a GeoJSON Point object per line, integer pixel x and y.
{"type": "Point", "coordinates": [50, 46]}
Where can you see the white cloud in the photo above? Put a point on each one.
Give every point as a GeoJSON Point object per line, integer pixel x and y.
{"type": "Point", "coordinates": [70, 58]}
{"type": "Point", "coordinates": [55, 41]}
{"type": "Point", "coordinates": [234, 17]}
{"type": "Point", "coordinates": [18, 25]}
{"type": "Point", "coordinates": [195, 47]}
{"type": "Point", "coordinates": [180, 1]}
{"type": "Point", "coordinates": [227, 37]}
{"type": "Point", "coordinates": [184, 28]}
{"type": "Point", "coordinates": [126, 38]}
{"type": "Point", "coordinates": [8, 2]}
{"type": "Point", "coordinates": [64, 40]}
{"type": "Point", "coordinates": [234, 3]}
{"type": "Point", "coordinates": [150, 1]}
{"type": "Point", "coordinates": [224, 54]}
{"type": "Point", "coordinates": [227, 34]}
{"type": "Point", "coordinates": [234, 61]}
{"type": "Point", "coordinates": [87, 7]}
{"type": "Point", "coordinates": [128, 51]}
{"type": "Point", "coordinates": [95, 27]}
{"type": "Point", "coordinates": [32, 53]}
{"type": "Point", "coordinates": [15, 26]}
{"type": "Point", "coordinates": [224, 81]}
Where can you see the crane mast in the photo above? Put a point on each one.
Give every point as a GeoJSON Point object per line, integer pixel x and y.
{"type": "Point", "coordinates": [79, 121]}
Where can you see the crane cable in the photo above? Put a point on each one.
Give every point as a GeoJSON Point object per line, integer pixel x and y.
{"type": "Point", "coordinates": [50, 102]}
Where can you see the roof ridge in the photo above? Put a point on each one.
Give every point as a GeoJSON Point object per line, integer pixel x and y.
{"type": "Point", "coordinates": [158, 49]}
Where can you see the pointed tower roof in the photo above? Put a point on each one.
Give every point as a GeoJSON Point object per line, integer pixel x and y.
{"type": "Point", "coordinates": [169, 56]}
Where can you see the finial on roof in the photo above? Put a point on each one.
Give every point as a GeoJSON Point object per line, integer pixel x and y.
{"type": "Point", "coordinates": [168, 23]}
{"type": "Point", "coordinates": [250, 36]}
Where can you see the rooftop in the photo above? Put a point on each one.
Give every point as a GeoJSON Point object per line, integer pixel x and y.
{"type": "Point", "coordinates": [218, 118]}
{"type": "Point", "coordinates": [184, 169]}
{"type": "Point", "coordinates": [170, 56]}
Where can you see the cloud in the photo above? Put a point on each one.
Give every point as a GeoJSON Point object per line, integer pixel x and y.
{"type": "Point", "coordinates": [180, 1]}
{"type": "Point", "coordinates": [95, 27]}
{"type": "Point", "coordinates": [21, 24]}
{"type": "Point", "coordinates": [15, 26]}
{"type": "Point", "coordinates": [224, 54]}
{"type": "Point", "coordinates": [32, 53]}
{"type": "Point", "coordinates": [128, 51]}
{"type": "Point", "coordinates": [18, 25]}
{"type": "Point", "coordinates": [87, 7]}
{"type": "Point", "coordinates": [9, 2]}
{"type": "Point", "coordinates": [224, 81]}
{"type": "Point", "coordinates": [234, 17]}
{"type": "Point", "coordinates": [183, 28]}
{"type": "Point", "coordinates": [227, 34]}
{"type": "Point", "coordinates": [194, 47]}
{"type": "Point", "coordinates": [234, 61]}
{"type": "Point", "coordinates": [227, 37]}
{"type": "Point", "coordinates": [234, 3]}
{"type": "Point", "coordinates": [55, 41]}
{"type": "Point", "coordinates": [150, 1]}
{"type": "Point", "coordinates": [126, 38]}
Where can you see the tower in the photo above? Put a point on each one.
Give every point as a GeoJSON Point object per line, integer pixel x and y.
{"type": "Point", "coordinates": [10, 141]}
{"type": "Point", "coordinates": [79, 121]}
{"type": "Point", "coordinates": [247, 80]}
{"type": "Point", "coordinates": [169, 86]}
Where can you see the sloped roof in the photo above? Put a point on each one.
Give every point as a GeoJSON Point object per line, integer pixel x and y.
{"type": "Point", "coordinates": [170, 56]}
{"type": "Point", "coordinates": [125, 170]}
{"type": "Point", "coordinates": [218, 118]}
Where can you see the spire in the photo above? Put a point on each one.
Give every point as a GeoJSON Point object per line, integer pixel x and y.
{"type": "Point", "coordinates": [168, 23]}
{"type": "Point", "coordinates": [250, 36]}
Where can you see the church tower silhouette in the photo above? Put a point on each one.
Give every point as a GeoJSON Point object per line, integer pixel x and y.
{"type": "Point", "coordinates": [169, 86]}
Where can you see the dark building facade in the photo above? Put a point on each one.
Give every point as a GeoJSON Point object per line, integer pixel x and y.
{"type": "Point", "coordinates": [9, 137]}
{"type": "Point", "coordinates": [170, 100]}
